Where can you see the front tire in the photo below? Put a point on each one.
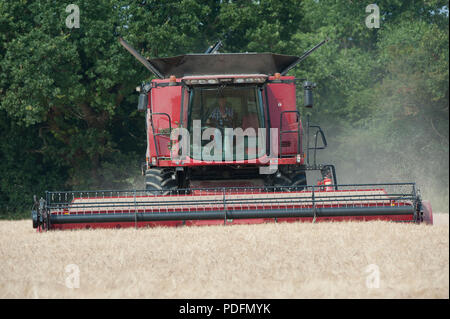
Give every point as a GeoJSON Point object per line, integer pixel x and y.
{"type": "Point", "coordinates": [295, 181]}
{"type": "Point", "coordinates": [160, 181]}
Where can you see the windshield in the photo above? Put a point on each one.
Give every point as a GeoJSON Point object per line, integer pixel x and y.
{"type": "Point", "coordinates": [218, 108]}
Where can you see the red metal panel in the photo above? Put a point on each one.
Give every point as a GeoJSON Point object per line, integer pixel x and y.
{"type": "Point", "coordinates": [164, 99]}
{"type": "Point", "coordinates": [281, 97]}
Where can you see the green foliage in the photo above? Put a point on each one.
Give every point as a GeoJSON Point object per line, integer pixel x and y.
{"type": "Point", "coordinates": [68, 108]}
{"type": "Point", "coordinates": [25, 169]}
{"type": "Point", "coordinates": [385, 106]}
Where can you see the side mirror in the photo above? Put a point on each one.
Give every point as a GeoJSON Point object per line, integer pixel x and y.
{"type": "Point", "coordinates": [308, 97]}
{"type": "Point", "coordinates": [143, 102]}
{"type": "Point", "coordinates": [143, 96]}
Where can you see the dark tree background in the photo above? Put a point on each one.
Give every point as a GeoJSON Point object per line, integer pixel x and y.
{"type": "Point", "coordinates": [68, 114]}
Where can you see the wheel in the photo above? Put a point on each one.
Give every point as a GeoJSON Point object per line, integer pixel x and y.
{"type": "Point", "coordinates": [283, 182]}
{"type": "Point", "coordinates": [160, 181]}
{"type": "Point", "coordinates": [299, 180]}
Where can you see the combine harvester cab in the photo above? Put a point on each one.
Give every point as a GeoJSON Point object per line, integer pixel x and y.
{"type": "Point", "coordinates": [201, 170]}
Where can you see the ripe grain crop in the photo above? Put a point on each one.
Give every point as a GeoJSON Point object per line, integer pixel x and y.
{"type": "Point", "coordinates": [298, 260]}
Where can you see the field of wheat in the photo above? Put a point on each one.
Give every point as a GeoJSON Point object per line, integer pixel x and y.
{"type": "Point", "coordinates": [299, 260]}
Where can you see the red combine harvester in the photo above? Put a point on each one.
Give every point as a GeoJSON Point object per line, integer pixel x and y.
{"type": "Point", "coordinates": [225, 145]}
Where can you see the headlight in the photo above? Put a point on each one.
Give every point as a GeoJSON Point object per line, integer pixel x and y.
{"type": "Point", "coordinates": [201, 81]}
{"type": "Point", "coordinates": [250, 80]}
{"type": "Point", "coordinates": [225, 80]}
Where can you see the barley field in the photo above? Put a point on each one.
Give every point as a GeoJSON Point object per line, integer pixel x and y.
{"type": "Point", "coordinates": [299, 260]}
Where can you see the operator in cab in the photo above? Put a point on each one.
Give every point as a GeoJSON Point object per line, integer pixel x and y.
{"type": "Point", "coordinates": [222, 116]}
